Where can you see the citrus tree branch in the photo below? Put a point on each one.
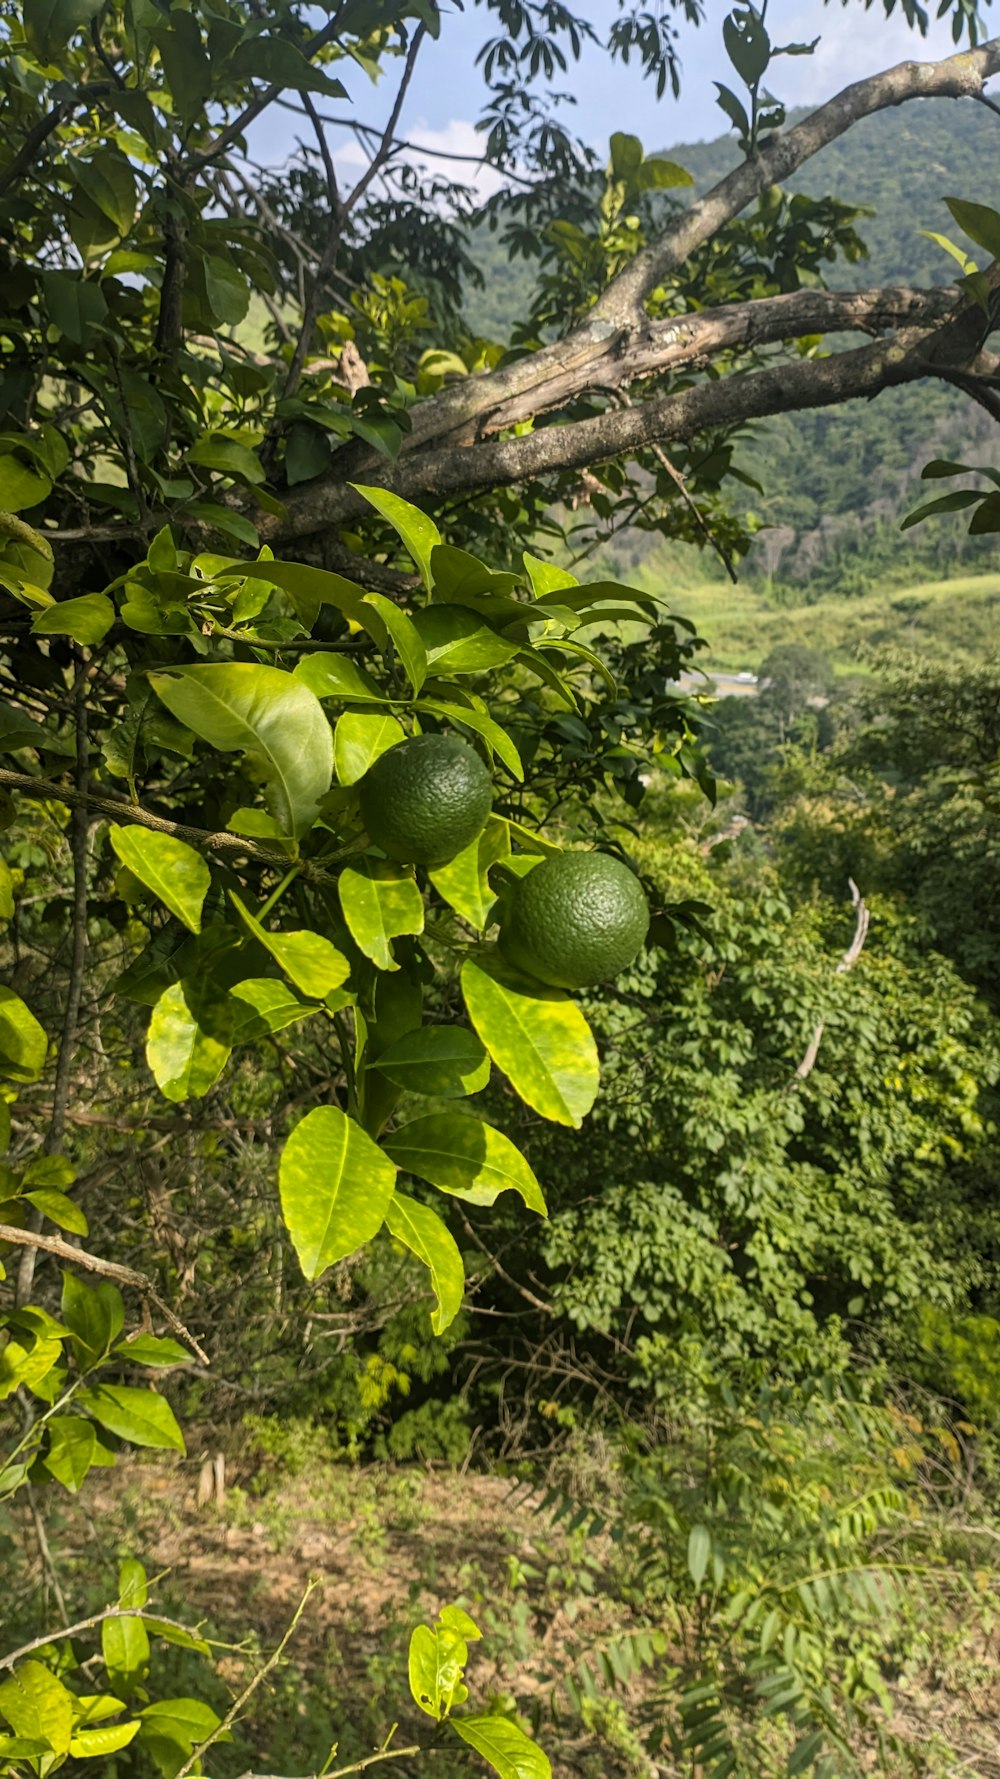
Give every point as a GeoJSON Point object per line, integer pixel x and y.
{"type": "Point", "coordinates": [911, 354]}
{"type": "Point", "coordinates": [77, 1630]}
{"type": "Point", "coordinates": [43, 790]}
{"type": "Point", "coordinates": [80, 833]}
{"type": "Point", "coordinates": [618, 316]}
{"type": "Point", "coordinates": [960, 76]}
{"type": "Point", "coordinates": [108, 1269]}
{"type": "Point", "coordinates": [236, 1707]}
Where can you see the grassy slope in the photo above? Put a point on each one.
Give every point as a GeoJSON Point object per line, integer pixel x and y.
{"type": "Point", "coordinates": [957, 619]}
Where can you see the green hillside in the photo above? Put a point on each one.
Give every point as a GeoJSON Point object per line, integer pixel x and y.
{"type": "Point", "coordinates": [836, 483]}
{"type": "Point", "coordinates": [953, 620]}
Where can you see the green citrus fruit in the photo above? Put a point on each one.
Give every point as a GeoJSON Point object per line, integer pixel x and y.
{"type": "Point", "coordinates": [426, 799]}
{"type": "Point", "coordinates": [575, 920]}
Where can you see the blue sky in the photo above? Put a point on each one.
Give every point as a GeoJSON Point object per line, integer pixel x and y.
{"type": "Point", "coordinates": [445, 95]}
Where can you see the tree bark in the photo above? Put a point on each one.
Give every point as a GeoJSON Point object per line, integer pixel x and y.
{"type": "Point", "coordinates": [446, 450]}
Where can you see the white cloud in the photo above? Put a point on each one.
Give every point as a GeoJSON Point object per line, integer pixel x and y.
{"type": "Point", "coordinates": [458, 137]}
{"type": "Point", "coordinates": [853, 44]}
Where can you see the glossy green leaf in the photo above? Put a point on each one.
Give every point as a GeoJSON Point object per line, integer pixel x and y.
{"type": "Point", "coordinates": [505, 1746]}
{"type": "Point", "coordinates": [94, 1313]}
{"type": "Point", "coordinates": [151, 1349]}
{"type": "Point", "coordinates": [405, 637]}
{"type": "Point", "coordinates": [189, 1038]}
{"type": "Point", "coordinates": [269, 716]}
{"type": "Point", "coordinates": [6, 891]}
{"type": "Point", "coordinates": [71, 1450]}
{"type": "Point", "coordinates": [87, 619]}
{"type": "Point", "coordinates": [456, 641]}
{"type": "Point", "coordinates": [49, 24]}
{"type": "Point", "coordinates": [419, 533]}
{"type": "Point", "coordinates": [37, 1705]}
{"type": "Point", "coordinates": [380, 902]}
{"type": "Point", "coordinates": [21, 486]}
{"type": "Point", "coordinates": [227, 456]}
{"type": "Point", "coordinates": [359, 738]}
{"type": "Point", "coordinates": [337, 676]}
{"type": "Point", "coordinates": [26, 1367]}
{"type": "Point", "coordinates": [496, 739]}
{"type": "Point", "coordinates": [308, 959]}
{"type": "Point", "coordinates": [444, 1061]}
{"type": "Point", "coordinates": [140, 1416]}
{"type": "Point", "coordinates": [102, 1739]}
{"type": "Point", "coordinates": [464, 1157]}
{"type": "Point", "coordinates": [547, 578]}
{"type": "Point", "coordinates": [335, 1185]}
{"type": "Point", "coordinates": [280, 63]}
{"type": "Point", "coordinates": [307, 588]}
{"type": "Point", "coordinates": [264, 1005]}
{"type": "Point", "coordinates": [979, 222]}
{"type": "Point", "coordinates": [464, 881]}
{"type": "Point", "coordinates": [125, 1648]}
{"type": "Point", "coordinates": [170, 868]}
{"type": "Point", "coordinates": [173, 1728]}
{"type": "Point", "coordinates": [437, 1661]}
{"type": "Point", "coordinates": [228, 293]}
{"type": "Point", "coordinates": [59, 1209]}
{"type": "Point", "coordinates": [176, 1634]}
{"type": "Point", "coordinates": [537, 1037]}
{"type": "Point", "coordinates": [23, 1043]}
{"type": "Point", "coordinates": [422, 1231]}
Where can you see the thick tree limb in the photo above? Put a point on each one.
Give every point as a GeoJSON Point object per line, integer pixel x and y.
{"type": "Point", "coordinates": [619, 313]}
{"type": "Point", "coordinates": [662, 346]}
{"type": "Point", "coordinates": [956, 77]}
{"type": "Point", "coordinates": [730, 401]}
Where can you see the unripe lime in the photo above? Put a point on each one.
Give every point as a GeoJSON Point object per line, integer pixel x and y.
{"type": "Point", "coordinates": [575, 920]}
{"type": "Point", "coordinates": [426, 799]}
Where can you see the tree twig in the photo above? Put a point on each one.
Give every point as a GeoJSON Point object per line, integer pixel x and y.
{"type": "Point", "coordinates": [44, 791]}
{"type": "Point", "coordinates": [359, 1766]}
{"type": "Point", "coordinates": [237, 1706]}
{"type": "Point", "coordinates": [108, 1269]}
{"type": "Point", "coordinates": [87, 1624]}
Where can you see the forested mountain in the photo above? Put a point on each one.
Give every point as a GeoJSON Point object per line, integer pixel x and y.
{"type": "Point", "coordinates": [836, 484]}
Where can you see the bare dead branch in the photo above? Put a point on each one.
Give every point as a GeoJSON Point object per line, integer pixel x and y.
{"type": "Point", "coordinates": [847, 962]}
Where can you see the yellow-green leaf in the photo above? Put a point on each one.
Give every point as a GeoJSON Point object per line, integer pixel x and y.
{"type": "Point", "coordinates": [465, 1157]}
{"type": "Point", "coordinates": [421, 1230]}
{"type": "Point", "coordinates": [189, 1038]}
{"type": "Point", "coordinates": [360, 737]}
{"type": "Point", "coordinates": [22, 1041]}
{"type": "Point", "coordinates": [335, 1185]}
{"type": "Point", "coordinates": [38, 1706]}
{"type": "Point", "coordinates": [308, 959]}
{"type": "Point", "coordinates": [538, 1037]}
{"type": "Point", "coordinates": [464, 881]}
{"type": "Point", "coordinates": [174, 872]}
{"type": "Point", "coordinates": [380, 902]}
{"type": "Point", "coordinates": [510, 1752]}
{"type": "Point", "coordinates": [269, 716]}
